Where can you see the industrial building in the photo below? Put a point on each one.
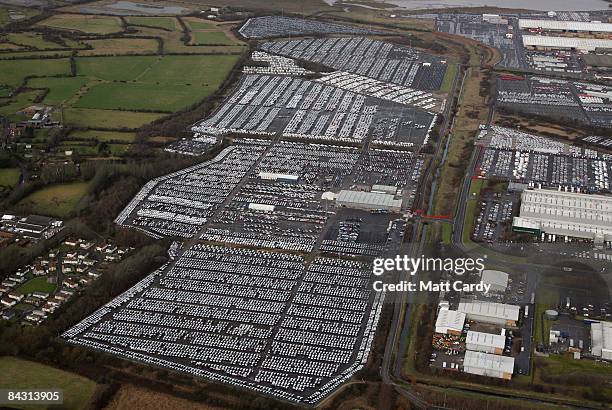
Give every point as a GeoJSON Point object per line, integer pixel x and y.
{"type": "Point", "coordinates": [491, 365]}
{"type": "Point", "coordinates": [450, 322]}
{"type": "Point", "coordinates": [368, 201]}
{"type": "Point", "coordinates": [385, 189]}
{"type": "Point", "coordinates": [34, 226]}
{"type": "Point", "coordinates": [489, 312]}
{"type": "Point", "coordinates": [497, 280]}
{"type": "Point", "coordinates": [566, 43]}
{"type": "Point", "coordinates": [601, 340]}
{"type": "Point", "coordinates": [485, 342]}
{"type": "Point", "coordinates": [565, 26]}
{"type": "Point", "coordinates": [565, 213]}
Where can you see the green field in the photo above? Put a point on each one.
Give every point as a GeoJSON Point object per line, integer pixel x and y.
{"type": "Point", "coordinates": [114, 68]}
{"type": "Point", "coordinates": [162, 84]}
{"type": "Point", "coordinates": [22, 374]}
{"type": "Point", "coordinates": [451, 72]}
{"type": "Point", "coordinates": [211, 38]}
{"type": "Point", "coordinates": [104, 136]}
{"type": "Point", "coordinates": [85, 23]}
{"type": "Point", "coordinates": [55, 200]}
{"type": "Point", "coordinates": [120, 46]}
{"type": "Point", "coordinates": [38, 284]}
{"type": "Point", "coordinates": [149, 96]}
{"type": "Point", "coordinates": [14, 71]}
{"type": "Point", "coordinates": [33, 40]}
{"type": "Point", "coordinates": [60, 88]}
{"type": "Point", "coordinates": [197, 24]}
{"type": "Point", "coordinates": [83, 117]}
{"type": "Point", "coordinates": [168, 23]}
{"type": "Point", "coordinates": [9, 176]}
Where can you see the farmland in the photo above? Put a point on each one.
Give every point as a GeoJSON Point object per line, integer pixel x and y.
{"type": "Point", "coordinates": [85, 24]}
{"type": "Point", "coordinates": [55, 200]}
{"type": "Point", "coordinates": [14, 71]}
{"type": "Point", "coordinates": [60, 88]}
{"type": "Point", "coordinates": [9, 176]}
{"type": "Point", "coordinates": [21, 374]}
{"type": "Point", "coordinates": [167, 23]}
{"type": "Point", "coordinates": [84, 118]}
{"type": "Point", "coordinates": [211, 38]}
{"type": "Point", "coordinates": [120, 46]}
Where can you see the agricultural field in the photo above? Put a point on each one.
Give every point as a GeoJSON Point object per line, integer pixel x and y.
{"type": "Point", "coordinates": [103, 136]}
{"type": "Point", "coordinates": [31, 40]}
{"type": "Point", "coordinates": [163, 84]}
{"type": "Point", "coordinates": [9, 176]}
{"type": "Point", "coordinates": [114, 68]}
{"type": "Point", "coordinates": [22, 374]}
{"type": "Point", "coordinates": [91, 24]}
{"type": "Point", "coordinates": [167, 23]}
{"type": "Point", "coordinates": [34, 54]}
{"type": "Point", "coordinates": [61, 89]}
{"type": "Point", "coordinates": [211, 38]}
{"type": "Point", "coordinates": [38, 284]}
{"type": "Point", "coordinates": [199, 24]}
{"type": "Point", "coordinates": [7, 11]}
{"type": "Point", "coordinates": [14, 71]}
{"type": "Point", "coordinates": [55, 200]}
{"type": "Point", "coordinates": [120, 46]}
{"type": "Point", "coordinates": [108, 119]}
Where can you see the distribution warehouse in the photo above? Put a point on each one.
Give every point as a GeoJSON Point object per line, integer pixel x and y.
{"type": "Point", "coordinates": [582, 44]}
{"type": "Point", "coordinates": [368, 200]}
{"type": "Point", "coordinates": [601, 340]}
{"type": "Point", "coordinates": [485, 342]}
{"type": "Point", "coordinates": [486, 364]}
{"type": "Point", "coordinates": [489, 312]}
{"type": "Point", "coordinates": [497, 280]}
{"type": "Point", "coordinates": [450, 322]}
{"type": "Point", "coordinates": [565, 213]}
{"type": "Point", "coordinates": [566, 26]}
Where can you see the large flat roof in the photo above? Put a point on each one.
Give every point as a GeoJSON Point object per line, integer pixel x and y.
{"type": "Point", "coordinates": [601, 337]}
{"type": "Point", "coordinates": [451, 319]}
{"type": "Point", "coordinates": [566, 213]}
{"type": "Point", "coordinates": [485, 339]}
{"type": "Point", "coordinates": [488, 361]}
{"type": "Point", "coordinates": [565, 25]}
{"type": "Point", "coordinates": [373, 199]}
{"type": "Point", "coordinates": [490, 309]}
{"type": "Point", "coordinates": [495, 277]}
{"type": "Point", "coordinates": [587, 44]}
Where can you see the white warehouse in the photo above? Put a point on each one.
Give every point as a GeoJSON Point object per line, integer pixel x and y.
{"type": "Point", "coordinates": [498, 280]}
{"type": "Point", "coordinates": [368, 201]}
{"type": "Point", "coordinates": [450, 322]}
{"type": "Point", "coordinates": [566, 43]}
{"type": "Point", "coordinates": [601, 340]}
{"type": "Point", "coordinates": [485, 342]}
{"type": "Point", "coordinates": [565, 213]}
{"type": "Point", "coordinates": [491, 365]}
{"type": "Point", "coordinates": [489, 312]}
{"type": "Point", "coordinates": [561, 25]}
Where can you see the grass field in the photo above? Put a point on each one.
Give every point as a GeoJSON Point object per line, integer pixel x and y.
{"type": "Point", "coordinates": [211, 38]}
{"type": "Point", "coordinates": [22, 374]}
{"type": "Point", "coordinates": [451, 72]}
{"type": "Point", "coordinates": [148, 96]}
{"type": "Point", "coordinates": [85, 23]}
{"type": "Point", "coordinates": [120, 46]}
{"type": "Point", "coordinates": [162, 84]}
{"type": "Point", "coordinates": [60, 88]}
{"type": "Point", "coordinates": [32, 39]}
{"type": "Point", "coordinates": [114, 68]}
{"type": "Point", "coordinates": [174, 44]}
{"type": "Point", "coordinates": [106, 136]}
{"type": "Point", "coordinates": [198, 24]}
{"type": "Point", "coordinates": [39, 284]}
{"type": "Point", "coordinates": [14, 71]}
{"type": "Point", "coordinates": [168, 23]}
{"type": "Point", "coordinates": [28, 54]}
{"type": "Point", "coordinates": [83, 117]}
{"type": "Point", "coordinates": [9, 176]}
{"type": "Point", "coordinates": [130, 397]}
{"type": "Point", "coordinates": [55, 200]}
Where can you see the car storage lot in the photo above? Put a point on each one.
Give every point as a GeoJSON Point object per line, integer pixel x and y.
{"type": "Point", "coordinates": [530, 159]}
{"type": "Point", "coordinates": [262, 320]}
{"type": "Point", "coordinates": [573, 101]}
